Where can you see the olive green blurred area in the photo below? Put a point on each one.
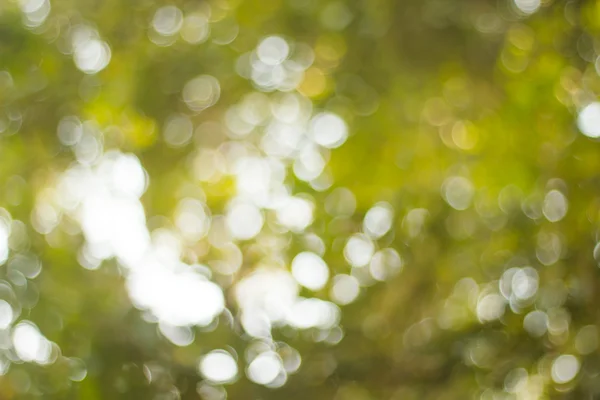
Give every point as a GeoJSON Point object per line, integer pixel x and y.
{"type": "Point", "coordinates": [299, 199]}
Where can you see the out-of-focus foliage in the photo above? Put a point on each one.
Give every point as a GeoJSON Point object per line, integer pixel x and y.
{"type": "Point", "coordinates": [299, 199]}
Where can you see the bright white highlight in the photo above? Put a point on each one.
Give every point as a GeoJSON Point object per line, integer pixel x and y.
{"type": "Point", "coordinates": [105, 201]}
{"type": "Point", "coordinates": [176, 298]}
{"type": "Point", "coordinates": [358, 250]}
{"type": "Point", "coordinates": [588, 120]}
{"type": "Point", "coordinates": [264, 368]}
{"type": "Point", "coordinates": [328, 130]}
{"type": "Point", "coordinates": [528, 6]}
{"type": "Point", "coordinates": [35, 12]}
{"type": "Point", "coordinates": [218, 366]}
{"type": "Point", "coordinates": [345, 289]}
{"type": "Point", "coordinates": [378, 220]}
{"type": "Point", "coordinates": [91, 55]}
{"type": "Point", "coordinates": [6, 314]}
{"type": "Point", "coordinates": [244, 220]}
{"type": "Point", "coordinates": [565, 368]}
{"type": "Point", "coordinates": [295, 213]}
{"type": "Point", "coordinates": [310, 270]}
{"type": "Point", "coordinates": [30, 345]}
{"type": "Point", "coordinates": [490, 307]}
{"type": "Point", "coordinates": [273, 50]}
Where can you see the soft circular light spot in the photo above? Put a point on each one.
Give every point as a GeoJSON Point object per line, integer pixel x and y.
{"type": "Point", "coordinates": [345, 289]}
{"type": "Point", "coordinates": [167, 20]}
{"type": "Point", "coordinates": [464, 135]}
{"type": "Point", "coordinates": [505, 283]}
{"type": "Point", "coordinates": [549, 247]}
{"type": "Point", "coordinates": [192, 219]}
{"type": "Point", "coordinates": [35, 11]}
{"type": "Point", "coordinates": [218, 366]}
{"type": "Point", "coordinates": [88, 149]}
{"type": "Point", "coordinates": [359, 250]}
{"type": "Point", "coordinates": [588, 120]}
{"type": "Point", "coordinates": [458, 192]}
{"type": "Point", "coordinates": [178, 130]}
{"type": "Point", "coordinates": [26, 264]}
{"type": "Point", "coordinates": [264, 368]}
{"type": "Point", "coordinates": [31, 6]}
{"type": "Point", "coordinates": [310, 270]}
{"type": "Point", "coordinates": [6, 314]}
{"type": "Point", "coordinates": [209, 391]}
{"type": "Point", "coordinates": [244, 220]}
{"type": "Point", "coordinates": [178, 335]}
{"type": "Point", "coordinates": [309, 164]}
{"type": "Point", "coordinates": [378, 220]}
{"type": "Point", "coordinates": [295, 213]}
{"type": "Point", "coordinates": [4, 235]}
{"type": "Point", "coordinates": [536, 323]}
{"type": "Point", "coordinates": [525, 283]}
{"type": "Point", "coordinates": [565, 368]}
{"type": "Point", "coordinates": [515, 380]}
{"type": "Point", "coordinates": [92, 56]}
{"type": "Point", "coordinates": [30, 345]}
{"type": "Point", "coordinates": [224, 31]}
{"type": "Point", "coordinates": [290, 358]}
{"type": "Point", "coordinates": [273, 50]}
{"type": "Point", "coordinates": [490, 307]}
{"type": "Point", "coordinates": [201, 92]}
{"type": "Point", "coordinates": [555, 206]}
{"type": "Point", "coordinates": [77, 369]}
{"type": "Point", "coordinates": [328, 130]}
{"type": "Point", "coordinates": [69, 130]}
{"type": "Point", "coordinates": [385, 263]}
{"type": "Point", "coordinates": [528, 6]}
{"type": "Point", "coordinates": [195, 29]}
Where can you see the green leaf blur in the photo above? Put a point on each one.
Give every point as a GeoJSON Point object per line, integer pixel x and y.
{"type": "Point", "coordinates": [299, 199]}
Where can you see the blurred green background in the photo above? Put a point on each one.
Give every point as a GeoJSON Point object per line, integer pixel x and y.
{"type": "Point", "coordinates": [299, 199]}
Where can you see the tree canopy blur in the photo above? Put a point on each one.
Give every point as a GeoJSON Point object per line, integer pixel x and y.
{"type": "Point", "coordinates": [299, 199]}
